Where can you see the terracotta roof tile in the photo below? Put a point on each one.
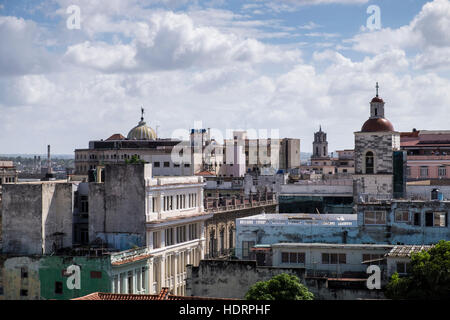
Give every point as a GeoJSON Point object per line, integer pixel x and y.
{"type": "Point", "coordinates": [163, 295]}
{"type": "Point", "coordinates": [129, 260]}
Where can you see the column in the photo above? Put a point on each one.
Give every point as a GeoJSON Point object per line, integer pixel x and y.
{"type": "Point", "coordinates": [175, 272]}
{"type": "Point", "coordinates": [149, 279]}
{"type": "Point", "coordinates": [162, 271]}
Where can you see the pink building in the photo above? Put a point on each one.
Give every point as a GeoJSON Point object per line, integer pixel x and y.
{"type": "Point", "coordinates": [428, 154]}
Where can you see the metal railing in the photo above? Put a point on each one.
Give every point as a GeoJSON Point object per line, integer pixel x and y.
{"type": "Point", "coordinates": [232, 207]}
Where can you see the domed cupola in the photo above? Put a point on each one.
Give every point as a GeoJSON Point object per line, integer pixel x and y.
{"type": "Point", "coordinates": [142, 131]}
{"type": "Point", "coordinates": [377, 122]}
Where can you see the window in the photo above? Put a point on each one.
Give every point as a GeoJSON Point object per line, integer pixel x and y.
{"type": "Point", "coordinates": [24, 272]}
{"type": "Point", "coordinates": [58, 287]}
{"type": "Point", "coordinates": [23, 293]}
{"type": "Point", "coordinates": [169, 237]}
{"type": "Point", "coordinates": [424, 171]}
{"type": "Point", "coordinates": [143, 279]}
{"type": "Point", "coordinates": [193, 231]}
{"type": "Point", "coordinates": [374, 217]}
{"type": "Point", "coordinates": [442, 171]}
{"type": "Point", "coordinates": [417, 219]}
{"type": "Point", "coordinates": [402, 267]}
{"type": "Point", "coordinates": [369, 163]}
{"type": "Point", "coordinates": [130, 282]}
{"type": "Point", "coordinates": [187, 165]}
{"type": "Point", "coordinates": [402, 216]}
{"type": "Point", "coordinates": [116, 284]}
{"type": "Point", "coordinates": [370, 257]}
{"type": "Point", "coordinates": [334, 258]}
{"type": "Point", "coordinates": [156, 164]}
{"type": "Point", "coordinates": [408, 171]}
{"type": "Point", "coordinates": [246, 245]}
{"type": "Point", "coordinates": [166, 164]}
{"type": "Point", "coordinates": [436, 219]}
{"type": "Point", "coordinates": [293, 257]}
{"type": "Point", "coordinates": [156, 240]}
{"type": "Point", "coordinates": [181, 234]}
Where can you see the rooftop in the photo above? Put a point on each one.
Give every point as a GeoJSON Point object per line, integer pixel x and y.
{"type": "Point", "coordinates": [331, 220]}
{"type": "Point", "coordinates": [163, 295]}
{"type": "Point", "coordinates": [405, 251]}
{"type": "Point", "coordinates": [333, 245]}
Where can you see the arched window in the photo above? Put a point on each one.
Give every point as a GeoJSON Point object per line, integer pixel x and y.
{"type": "Point", "coordinates": [370, 163]}
{"type": "Point", "coordinates": [317, 151]}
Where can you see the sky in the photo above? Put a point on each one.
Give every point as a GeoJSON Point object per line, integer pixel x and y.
{"type": "Point", "coordinates": [286, 65]}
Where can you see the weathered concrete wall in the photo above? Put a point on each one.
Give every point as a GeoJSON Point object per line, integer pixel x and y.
{"type": "Point", "coordinates": [229, 279]}
{"type": "Point", "coordinates": [22, 218]}
{"type": "Point", "coordinates": [316, 189]}
{"type": "Point", "coordinates": [232, 279]}
{"type": "Point", "coordinates": [324, 289]}
{"type": "Point", "coordinates": [37, 218]}
{"type": "Point", "coordinates": [17, 285]}
{"type": "Point", "coordinates": [57, 212]}
{"type": "Point", "coordinates": [117, 206]}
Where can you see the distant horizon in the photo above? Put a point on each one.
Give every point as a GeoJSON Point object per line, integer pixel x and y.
{"type": "Point", "coordinates": [288, 65]}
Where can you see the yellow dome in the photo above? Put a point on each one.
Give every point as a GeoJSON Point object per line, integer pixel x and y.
{"type": "Point", "coordinates": [142, 132]}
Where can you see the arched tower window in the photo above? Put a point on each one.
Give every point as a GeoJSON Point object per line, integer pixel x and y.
{"type": "Point", "coordinates": [317, 151]}
{"type": "Point", "coordinates": [370, 163]}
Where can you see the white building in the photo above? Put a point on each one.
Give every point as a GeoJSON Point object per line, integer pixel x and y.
{"type": "Point", "coordinates": [174, 235]}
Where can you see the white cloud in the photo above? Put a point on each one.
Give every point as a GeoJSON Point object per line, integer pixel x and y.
{"type": "Point", "coordinates": [173, 41]}
{"type": "Point", "coordinates": [426, 33]}
{"type": "Point", "coordinates": [20, 52]}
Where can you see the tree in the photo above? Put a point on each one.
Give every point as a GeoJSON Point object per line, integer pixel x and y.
{"type": "Point", "coordinates": [429, 276]}
{"type": "Point", "coordinates": [134, 160]}
{"type": "Point", "coordinates": [280, 287]}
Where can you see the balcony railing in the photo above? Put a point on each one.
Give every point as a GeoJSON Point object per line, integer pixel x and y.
{"type": "Point", "coordinates": [231, 207]}
{"type": "Point", "coordinates": [376, 197]}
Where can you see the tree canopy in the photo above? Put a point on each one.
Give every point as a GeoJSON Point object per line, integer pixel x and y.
{"type": "Point", "coordinates": [280, 287]}
{"type": "Point", "coordinates": [429, 276]}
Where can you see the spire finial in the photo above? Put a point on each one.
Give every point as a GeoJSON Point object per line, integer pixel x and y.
{"type": "Point", "coordinates": [142, 113]}
{"type": "Point", "coordinates": [377, 87]}
{"type": "Point", "coordinates": [320, 128]}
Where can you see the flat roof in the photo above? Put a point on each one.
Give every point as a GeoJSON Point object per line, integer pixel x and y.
{"type": "Point", "coordinates": [333, 245]}
{"type": "Point", "coordinates": [302, 216]}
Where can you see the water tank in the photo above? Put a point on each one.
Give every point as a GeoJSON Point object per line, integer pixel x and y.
{"type": "Point", "coordinates": [437, 195]}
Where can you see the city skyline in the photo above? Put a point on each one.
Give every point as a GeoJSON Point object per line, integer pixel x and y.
{"type": "Point", "coordinates": [291, 66]}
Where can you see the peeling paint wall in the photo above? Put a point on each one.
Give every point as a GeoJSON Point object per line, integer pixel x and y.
{"type": "Point", "coordinates": [95, 275]}
{"type": "Point", "coordinates": [37, 217]}
{"type": "Point", "coordinates": [19, 278]}
{"type": "Point", "coordinates": [232, 279]}
{"type": "Point", "coordinates": [229, 279]}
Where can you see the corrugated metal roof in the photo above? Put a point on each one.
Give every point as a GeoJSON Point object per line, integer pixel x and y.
{"type": "Point", "coordinates": [406, 250]}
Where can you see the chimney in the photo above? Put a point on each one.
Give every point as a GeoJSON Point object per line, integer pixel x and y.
{"type": "Point", "coordinates": [49, 163]}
